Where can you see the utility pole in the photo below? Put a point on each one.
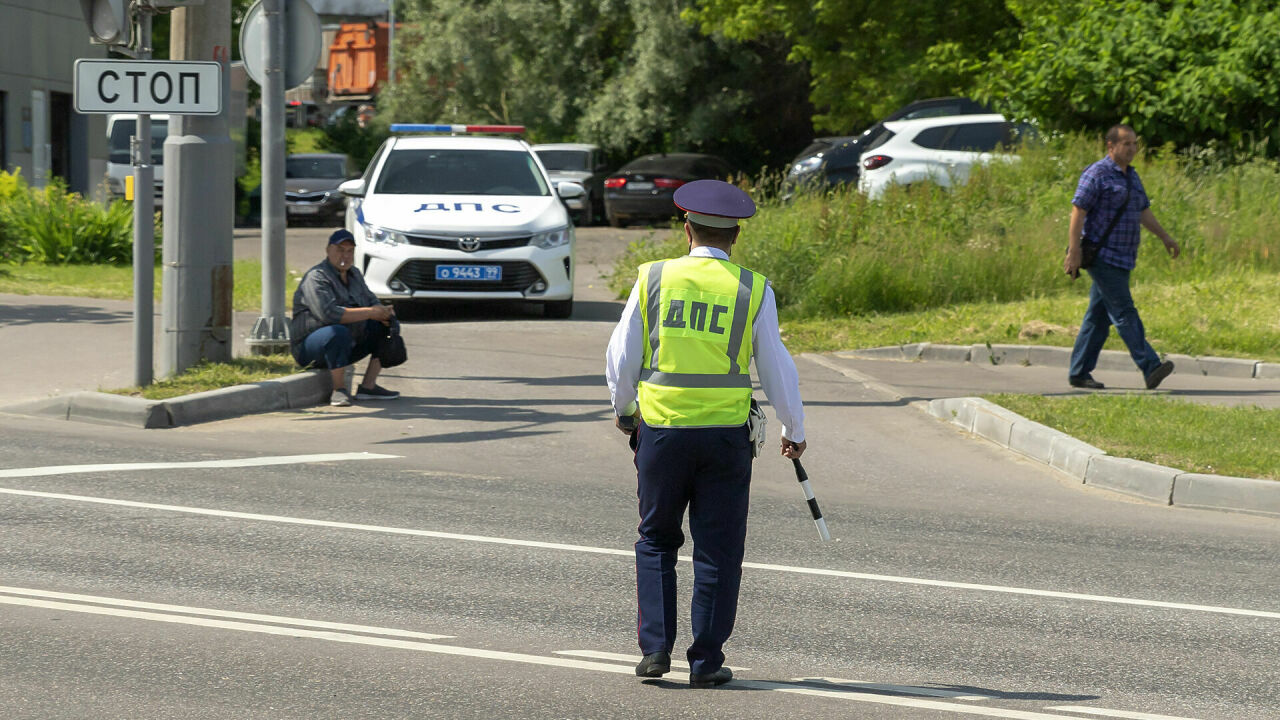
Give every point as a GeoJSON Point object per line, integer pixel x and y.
{"type": "Point", "coordinates": [199, 172]}
{"type": "Point", "coordinates": [270, 333]}
{"type": "Point", "coordinates": [144, 228]}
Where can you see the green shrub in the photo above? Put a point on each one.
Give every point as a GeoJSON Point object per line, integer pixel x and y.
{"type": "Point", "coordinates": [53, 226]}
{"type": "Point", "coordinates": [998, 238]}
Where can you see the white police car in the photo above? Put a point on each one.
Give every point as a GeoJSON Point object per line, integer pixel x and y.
{"type": "Point", "coordinates": [462, 216]}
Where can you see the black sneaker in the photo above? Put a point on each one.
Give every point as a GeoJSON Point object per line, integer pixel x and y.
{"type": "Point", "coordinates": [377, 392]}
{"type": "Point", "coordinates": [706, 680]}
{"type": "Point", "coordinates": [1087, 382]}
{"type": "Point", "coordinates": [1159, 374]}
{"type": "Point", "coordinates": [654, 665]}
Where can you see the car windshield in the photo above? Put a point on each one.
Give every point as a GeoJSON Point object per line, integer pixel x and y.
{"type": "Point", "coordinates": [575, 160]}
{"type": "Point", "coordinates": [122, 130]}
{"type": "Point", "coordinates": [328, 168]}
{"type": "Point", "coordinates": [460, 172]}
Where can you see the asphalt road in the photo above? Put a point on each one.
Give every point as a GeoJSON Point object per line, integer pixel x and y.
{"type": "Point", "coordinates": [475, 563]}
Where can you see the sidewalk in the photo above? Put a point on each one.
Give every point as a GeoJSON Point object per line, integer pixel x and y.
{"type": "Point", "coordinates": [945, 386]}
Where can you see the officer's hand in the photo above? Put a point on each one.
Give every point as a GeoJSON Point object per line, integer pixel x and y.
{"type": "Point", "coordinates": [793, 450]}
{"type": "Point", "coordinates": [626, 423]}
{"type": "Point", "coordinates": [1071, 264]}
{"type": "Point", "coordinates": [1172, 247]}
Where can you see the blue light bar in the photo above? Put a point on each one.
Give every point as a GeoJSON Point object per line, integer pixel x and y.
{"type": "Point", "coordinates": [439, 128]}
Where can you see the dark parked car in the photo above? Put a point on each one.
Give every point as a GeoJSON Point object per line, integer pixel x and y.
{"type": "Point", "coordinates": [311, 187]}
{"type": "Point", "coordinates": [832, 161]}
{"type": "Point", "coordinates": [582, 163]}
{"type": "Point", "coordinates": [643, 188]}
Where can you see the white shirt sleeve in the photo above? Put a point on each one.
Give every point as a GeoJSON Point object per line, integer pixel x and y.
{"type": "Point", "coordinates": [777, 370]}
{"type": "Point", "coordinates": [625, 355]}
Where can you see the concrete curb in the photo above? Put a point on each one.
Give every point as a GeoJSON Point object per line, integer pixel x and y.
{"type": "Point", "coordinates": [1092, 466]}
{"type": "Point", "coordinates": [304, 389]}
{"type": "Point", "coordinates": [1061, 357]}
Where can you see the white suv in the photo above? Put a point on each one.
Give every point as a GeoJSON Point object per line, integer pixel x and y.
{"type": "Point", "coordinates": [940, 150]}
{"type": "Point", "coordinates": [462, 217]}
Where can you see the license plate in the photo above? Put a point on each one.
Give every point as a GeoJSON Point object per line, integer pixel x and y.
{"type": "Point", "coordinates": [302, 209]}
{"type": "Point", "coordinates": [468, 272]}
{"type": "Point", "coordinates": [640, 186]}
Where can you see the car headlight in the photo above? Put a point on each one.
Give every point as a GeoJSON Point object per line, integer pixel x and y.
{"type": "Point", "coordinates": [376, 234]}
{"type": "Point", "coordinates": [806, 165]}
{"type": "Point", "coordinates": [552, 238]}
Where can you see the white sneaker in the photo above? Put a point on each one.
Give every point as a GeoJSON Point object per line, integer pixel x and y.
{"type": "Point", "coordinates": [340, 398]}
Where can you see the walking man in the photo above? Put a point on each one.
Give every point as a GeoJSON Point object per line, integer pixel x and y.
{"type": "Point", "coordinates": [1109, 210]}
{"type": "Point", "coordinates": [677, 367]}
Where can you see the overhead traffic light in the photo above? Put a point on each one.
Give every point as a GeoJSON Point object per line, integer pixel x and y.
{"type": "Point", "coordinates": [108, 20]}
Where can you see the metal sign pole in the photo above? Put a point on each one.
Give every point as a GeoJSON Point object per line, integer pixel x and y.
{"type": "Point", "coordinates": [144, 229]}
{"type": "Point", "coordinates": [270, 334]}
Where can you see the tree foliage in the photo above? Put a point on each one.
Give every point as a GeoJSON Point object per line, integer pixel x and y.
{"type": "Point", "coordinates": [630, 75]}
{"type": "Point", "coordinates": [1186, 72]}
{"type": "Point", "coordinates": [866, 58]}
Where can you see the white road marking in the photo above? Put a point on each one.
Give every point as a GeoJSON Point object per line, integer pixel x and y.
{"type": "Point", "coordinates": [1270, 615]}
{"type": "Point", "coordinates": [858, 685]}
{"type": "Point", "coordinates": [633, 659]}
{"type": "Point", "coordinates": [234, 463]}
{"type": "Point", "coordinates": [98, 600]}
{"type": "Point", "coordinates": [419, 646]}
{"type": "Point", "coordinates": [1116, 713]}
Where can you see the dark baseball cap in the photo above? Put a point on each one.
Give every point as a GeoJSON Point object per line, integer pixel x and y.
{"type": "Point", "coordinates": [340, 236]}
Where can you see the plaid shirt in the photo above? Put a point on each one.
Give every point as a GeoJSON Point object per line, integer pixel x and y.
{"type": "Point", "coordinates": [1100, 192]}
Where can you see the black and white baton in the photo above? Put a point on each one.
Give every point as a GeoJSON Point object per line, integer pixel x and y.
{"type": "Point", "coordinates": [803, 477]}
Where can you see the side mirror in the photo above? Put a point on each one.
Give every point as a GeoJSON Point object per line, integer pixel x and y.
{"type": "Point", "coordinates": [353, 188]}
{"type": "Point", "coordinates": [570, 190]}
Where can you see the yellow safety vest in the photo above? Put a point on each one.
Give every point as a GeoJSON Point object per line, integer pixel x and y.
{"type": "Point", "coordinates": [697, 314]}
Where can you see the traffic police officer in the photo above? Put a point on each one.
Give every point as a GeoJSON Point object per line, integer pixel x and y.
{"type": "Point", "coordinates": [677, 367]}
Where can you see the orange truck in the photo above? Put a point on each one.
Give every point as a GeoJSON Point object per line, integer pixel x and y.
{"type": "Point", "coordinates": [358, 61]}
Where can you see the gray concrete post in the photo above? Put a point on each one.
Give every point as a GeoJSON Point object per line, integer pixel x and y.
{"type": "Point", "coordinates": [144, 231]}
{"type": "Point", "coordinates": [199, 212]}
{"type": "Point", "coordinates": [270, 332]}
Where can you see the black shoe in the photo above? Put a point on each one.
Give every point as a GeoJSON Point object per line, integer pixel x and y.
{"type": "Point", "coordinates": [706, 680]}
{"type": "Point", "coordinates": [1087, 382]}
{"type": "Point", "coordinates": [1160, 373]}
{"type": "Point", "coordinates": [654, 665]}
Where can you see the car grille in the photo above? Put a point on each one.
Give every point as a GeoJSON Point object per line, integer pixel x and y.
{"type": "Point", "coordinates": [450, 242]}
{"type": "Point", "coordinates": [305, 197]}
{"type": "Point", "coordinates": [421, 275]}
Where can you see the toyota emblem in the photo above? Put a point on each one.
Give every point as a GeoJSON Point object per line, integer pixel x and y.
{"type": "Point", "coordinates": [469, 244]}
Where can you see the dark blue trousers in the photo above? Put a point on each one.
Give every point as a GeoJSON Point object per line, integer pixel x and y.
{"type": "Point", "coordinates": [708, 471]}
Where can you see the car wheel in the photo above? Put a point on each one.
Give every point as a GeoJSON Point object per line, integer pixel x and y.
{"type": "Point", "coordinates": [616, 220]}
{"type": "Point", "coordinates": [587, 216]}
{"type": "Point", "coordinates": [559, 309]}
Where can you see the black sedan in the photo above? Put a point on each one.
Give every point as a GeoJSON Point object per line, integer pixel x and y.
{"type": "Point", "coordinates": [311, 187]}
{"type": "Point", "coordinates": [643, 188]}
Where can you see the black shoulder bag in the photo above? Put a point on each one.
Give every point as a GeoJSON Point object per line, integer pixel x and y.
{"type": "Point", "coordinates": [391, 349]}
{"type": "Point", "coordinates": [1089, 250]}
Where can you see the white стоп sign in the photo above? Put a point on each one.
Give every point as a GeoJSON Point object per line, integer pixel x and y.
{"type": "Point", "coordinates": [148, 86]}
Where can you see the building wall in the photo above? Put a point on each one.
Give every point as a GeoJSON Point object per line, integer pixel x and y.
{"type": "Point", "coordinates": [40, 40]}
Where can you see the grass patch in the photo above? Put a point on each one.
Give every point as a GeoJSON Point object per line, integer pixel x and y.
{"type": "Point", "coordinates": [1237, 441]}
{"type": "Point", "coordinates": [115, 282]}
{"type": "Point", "coordinates": [1231, 315]}
{"type": "Point", "coordinates": [211, 376]}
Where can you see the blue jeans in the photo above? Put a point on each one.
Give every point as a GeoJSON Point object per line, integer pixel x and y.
{"type": "Point", "coordinates": [1110, 304]}
{"type": "Point", "coordinates": [333, 346]}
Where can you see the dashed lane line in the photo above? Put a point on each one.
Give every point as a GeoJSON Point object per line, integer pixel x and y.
{"type": "Point", "coordinates": [186, 610]}
{"type": "Point", "coordinates": [1031, 592]}
{"type": "Point", "coordinates": [544, 660]}
{"type": "Point", "coordinates": [231, 463]}
{"type": "Point", "coordinates": [1105, 712]}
